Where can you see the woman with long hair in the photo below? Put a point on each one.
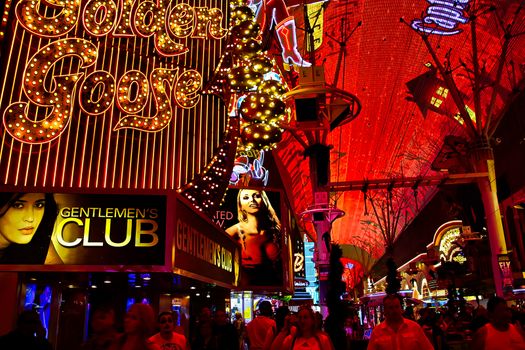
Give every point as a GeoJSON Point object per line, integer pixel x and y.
{"type": "Point", "coordinates": [26, 226]}
{"type": "Point", "coordinates": [259, 233]}
{"type": "Point", "coordinates": [139, 325]}
{"type": "Point", "coordinates": [307, 336]}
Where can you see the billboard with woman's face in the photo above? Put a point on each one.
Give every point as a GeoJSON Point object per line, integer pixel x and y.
{"type": "Point", "coordinates": [81, 229]}
{"type": "Point", "coordinates": [252, 217]}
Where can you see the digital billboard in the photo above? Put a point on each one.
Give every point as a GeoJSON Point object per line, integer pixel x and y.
{"type": "Point", "coordinates": [253, 218]}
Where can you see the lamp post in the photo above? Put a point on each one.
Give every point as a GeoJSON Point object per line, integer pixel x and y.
{"type": "Point", "coordinates": [319, 108]}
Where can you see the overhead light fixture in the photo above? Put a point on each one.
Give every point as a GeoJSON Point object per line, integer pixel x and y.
{"type": "Point", "coordinates": [94, 286]}
{"type": "Point", "coordinates": [197, 294]}
{"type": "Point", "coordinates": [193, 287]}
{"type": "Point", "coordinates": [107, 281]}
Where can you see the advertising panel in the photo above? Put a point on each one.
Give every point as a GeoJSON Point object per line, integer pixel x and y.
{"type": "Point", "coordinates": [110, 93]}
{"type": "Point", "coordinates": [202, 251]}
{"type": "Point", "coordinates": [82, 229]}
{"type": "Point", "coordinates": [252, 217]}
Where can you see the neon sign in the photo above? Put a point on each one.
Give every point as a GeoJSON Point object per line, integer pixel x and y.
{"type": "Point", "coordinates": [442, 17]}
{"type": "Point", "coordinates": [244, 171]}
{"type": "Point", "coordinates": [163, 85]}
{"type": "Point", "coordinates": [298, 264]}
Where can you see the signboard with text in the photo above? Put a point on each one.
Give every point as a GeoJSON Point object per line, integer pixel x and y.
{"type": "Point", "coordinates": [82, 230]}
{"type": "Point", "coordinates": [202, 250]}
{"type": "Point", "coordinates": [109, 93]}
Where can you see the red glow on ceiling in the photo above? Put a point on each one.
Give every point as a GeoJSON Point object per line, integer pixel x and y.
{"type": "Point", "coordinates": [391, 137]}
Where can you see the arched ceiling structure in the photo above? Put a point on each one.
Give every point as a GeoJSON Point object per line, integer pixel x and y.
{"type": "Point", "coordinates": [394, 135]}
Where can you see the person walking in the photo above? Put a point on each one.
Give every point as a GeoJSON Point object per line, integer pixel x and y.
{"type": "Point", "coordinates": [139, 324]}
{"type": "Point", "coordinates": [308, 335]}
{"type": "Point", "coordinates": [257, 329]}
{"type": "Point", "coordinates": [103, 329]}
{"type": "Point", "coordinates": [224, 332]}
{"type": "Point", "coordinates": [499, 333]}
{"type": "Point", "coordinates": [397, 332]}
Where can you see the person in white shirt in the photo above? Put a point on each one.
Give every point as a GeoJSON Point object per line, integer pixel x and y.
{"type": "Point", "coordinates": [397, 332]}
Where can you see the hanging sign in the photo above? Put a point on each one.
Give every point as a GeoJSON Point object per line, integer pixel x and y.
{"type": "Point", "coordinates": [443, 17]}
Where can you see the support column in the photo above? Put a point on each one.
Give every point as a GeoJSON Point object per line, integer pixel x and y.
{"type": "Point", "coordinates": [483, 160]}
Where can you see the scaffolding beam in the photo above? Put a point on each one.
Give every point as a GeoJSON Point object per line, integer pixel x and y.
{"type": "Point", "coordinates": [409, 182]}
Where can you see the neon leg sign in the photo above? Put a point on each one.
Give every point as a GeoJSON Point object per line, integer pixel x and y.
{"type": "Point", "coordinates": [442, 17]}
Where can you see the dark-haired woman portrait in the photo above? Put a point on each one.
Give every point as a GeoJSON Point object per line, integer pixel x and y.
{"type": "Point", "coordinates": [26, 226]}
{"type": "Point", "coordinates": [259, 233]}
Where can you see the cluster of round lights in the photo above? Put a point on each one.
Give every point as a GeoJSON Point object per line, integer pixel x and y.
{"type": "Point", "coordinates": [204, 193]}
{"type": "Point", "coordinates": [262, 108]}
{"type": "Point", "coordinates": [59, 97]}
{"type": "Point", "coordinates": [49, 27]}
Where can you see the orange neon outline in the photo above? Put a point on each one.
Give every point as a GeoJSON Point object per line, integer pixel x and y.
{"type": "Point", "coordinates": [106, 12]}
{"type": "Point", "coordinates": [18, 110]}
{"type": "Point", "coordinates": [26, 8]}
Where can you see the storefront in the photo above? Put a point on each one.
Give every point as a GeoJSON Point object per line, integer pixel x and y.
{"type": "Point", "coordinates": [104, 120]}
{"type": "Point", "coordinates": [122, 250]}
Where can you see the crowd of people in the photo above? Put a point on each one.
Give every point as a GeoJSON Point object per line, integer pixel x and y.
{"type": "Point", "coordinates": [281, 330]}
{"type": "Point", "coordinates": [495, 327]}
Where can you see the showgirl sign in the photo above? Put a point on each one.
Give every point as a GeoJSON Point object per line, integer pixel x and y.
{"type": "Point", "coordinates": [74, 69]}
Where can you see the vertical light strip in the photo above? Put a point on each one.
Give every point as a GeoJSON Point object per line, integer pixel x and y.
{"type": "Point", "coordinates": [122, 158]}
{"type": "Point", "coordinates": [148, 168]}
{"type": "Point", "coordinates": [17, 176]}
{"type": "Point", "coordinates": [87, 129]}
{"type": "Point", "coordinates": [186, 161]}
{"type": "Point", "coordinates": [28, 165]}
{"type": "Point", "coordinates": [110, 111]}
{"type": "Point", "coordinates": [69, 131]}
{"type": "Point", "coordinates": [135, 158]}
{"type": "Point", "coordinates": [11, 96]}
{"type": "Point", "coordinates": [22, 145]}
{"type": "Point", "coordinates": [159, 155]}
{"type": "Point", "coordinates": [173, 169]}
{"type": "Point", "coordinates": [46, 167]}
{"type": "Point", "coordinates": [94, 132]}
{"type": "Point", "coordinates": [37, 166]}
{"type": "Point", "coordinates": [4, 18]}
{"type": "Point", "coordinates": [59, 143]}
{"type": "Point", "coordinates": [2, 150]}
{"type": "Point", "coordinates": [68, 139]}
{"type": "Point", "coordinates": [10, 59]}
{"type": "Point", "coordinates": [211, 117]}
